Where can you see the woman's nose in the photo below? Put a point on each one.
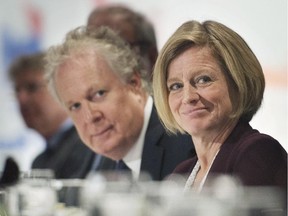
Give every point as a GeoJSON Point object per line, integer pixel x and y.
{"type": "Point", "coordinates": [190, 95]}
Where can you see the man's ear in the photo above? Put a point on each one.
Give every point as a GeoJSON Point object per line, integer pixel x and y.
{"type": "Point", "coordinates": [135, 81]}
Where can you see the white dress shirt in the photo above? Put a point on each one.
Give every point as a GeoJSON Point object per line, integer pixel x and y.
{"type": "Point", "coordinates": [133, 158]}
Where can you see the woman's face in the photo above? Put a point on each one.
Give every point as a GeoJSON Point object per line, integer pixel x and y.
{"type": "Point", "coordinates": [198, 92]}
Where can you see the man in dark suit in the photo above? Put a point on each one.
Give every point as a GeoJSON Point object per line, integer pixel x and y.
{"type": "Point", "coordinates": [65, 153]}
{"type": "Point", "coordinates": [139, 32]}
{"type": "Point", "coordinates": [105, 89]}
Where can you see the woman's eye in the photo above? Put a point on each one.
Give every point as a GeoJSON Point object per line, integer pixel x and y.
{"type": "Point", "coordinates": [203, 80]}
{"type": "Point", "coordinates": [75, 106]}
{"type": "Point", "coordinates": [174, 86]}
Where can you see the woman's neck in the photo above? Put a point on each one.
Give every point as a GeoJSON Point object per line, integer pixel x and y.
{"type": "Point", "coordinates": [208, 146]}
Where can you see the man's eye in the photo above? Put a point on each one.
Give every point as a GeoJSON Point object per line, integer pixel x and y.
{"type": "Point", "coordinates": [75, 106]}
{"type": "Point", "coordinates": [98, 95]}
{"type": "Point", "coordinates": [174, 86]}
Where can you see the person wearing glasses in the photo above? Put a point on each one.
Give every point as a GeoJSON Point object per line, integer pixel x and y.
{"type": "Point", "coordinates": [65, 154]}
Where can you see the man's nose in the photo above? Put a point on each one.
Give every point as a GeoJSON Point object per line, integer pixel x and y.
{"type": "Point", "coordinates": [22, 96]}
{"type": "Point", "coordinates": [92, 113]}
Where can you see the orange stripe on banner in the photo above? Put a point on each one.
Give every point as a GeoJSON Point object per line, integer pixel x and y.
{"type": "Point", "coordinates": [98, 3]}
{"type": "Point", "coordinates": [276, 78]}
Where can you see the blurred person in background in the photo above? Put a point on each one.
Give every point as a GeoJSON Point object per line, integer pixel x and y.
{"type": "Point", "coordinates": [207, 82]}
{"type": "Point", "coordinates": [104, 88]}
{"type": "Point", "coordinates": [65, 153]}
{"type": "Point", "coordinates": [132, 26]}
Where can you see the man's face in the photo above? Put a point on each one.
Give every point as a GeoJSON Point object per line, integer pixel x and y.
{"type": "Point", "coordinates": [107, 113]}
{"type": "Point", "coordinates": [39, 109]}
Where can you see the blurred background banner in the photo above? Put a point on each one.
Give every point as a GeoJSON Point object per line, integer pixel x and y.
{"type": "Point", "coordinates": [27, 26]}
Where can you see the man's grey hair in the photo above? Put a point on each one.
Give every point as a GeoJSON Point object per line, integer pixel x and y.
{"type": "Point", "coordinates": [102, 42]}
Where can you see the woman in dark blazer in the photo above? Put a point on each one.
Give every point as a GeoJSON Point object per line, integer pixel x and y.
{"type": "Point", "coordinates": [208, 83]}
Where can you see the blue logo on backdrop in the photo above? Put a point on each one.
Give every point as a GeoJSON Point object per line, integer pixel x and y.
{"type": "Point", "coordinates": [14, 44]}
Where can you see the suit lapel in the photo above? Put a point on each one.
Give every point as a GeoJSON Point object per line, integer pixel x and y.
{"type": "Point", "coordinates": [152, 153]}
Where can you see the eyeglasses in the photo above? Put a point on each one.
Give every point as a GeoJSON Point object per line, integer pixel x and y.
{"type": "Point", "coordinates": [29, 87]}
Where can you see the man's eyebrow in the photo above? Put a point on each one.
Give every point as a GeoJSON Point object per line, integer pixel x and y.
{"type": "Point", "coordinates": [68, 103]}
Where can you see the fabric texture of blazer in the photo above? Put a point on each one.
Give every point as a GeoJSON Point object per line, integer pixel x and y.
{"type": "Point", "coordinates": [71, 158]}
{"type": "Point", "coordinates": [162, 152]}
{"type": "Point", "coordinates": [254, 158]}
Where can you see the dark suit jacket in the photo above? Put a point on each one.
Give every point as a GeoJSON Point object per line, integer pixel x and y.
{"type": "Point", "coordinates": [257, 159]}
{"type": "Point", "coordinates": [161, 152]}
{"type": "Point", "coordinates": [69, 159]}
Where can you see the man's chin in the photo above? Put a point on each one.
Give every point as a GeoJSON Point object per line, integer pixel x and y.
{"type": "Point", "coordinates": [111, 152]}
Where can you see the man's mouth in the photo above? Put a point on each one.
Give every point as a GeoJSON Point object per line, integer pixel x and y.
{"type": "Point", "coordinates": [103, 131]}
